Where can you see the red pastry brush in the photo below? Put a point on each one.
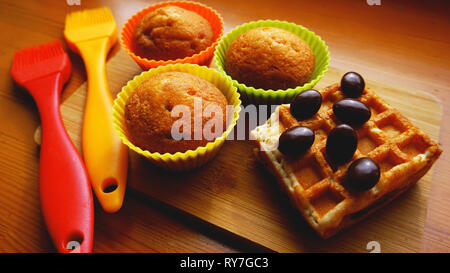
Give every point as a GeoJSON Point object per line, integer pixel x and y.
{"type": "Point", "coordinates": [65, 191]}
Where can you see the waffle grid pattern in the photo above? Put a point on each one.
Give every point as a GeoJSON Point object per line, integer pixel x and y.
{"type": "Point", "coordinates": [318, 188]}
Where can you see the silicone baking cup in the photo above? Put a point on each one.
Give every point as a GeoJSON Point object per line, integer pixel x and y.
{"type": "Point", "coordinates": [268, 96]}
{"type": "Point", "coordinates": [190, 159]}
{"type": "Point", "coordinates": [202, 58]}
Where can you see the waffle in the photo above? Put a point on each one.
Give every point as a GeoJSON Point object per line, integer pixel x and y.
{"type": "Point", "coordinates": [318, 189]}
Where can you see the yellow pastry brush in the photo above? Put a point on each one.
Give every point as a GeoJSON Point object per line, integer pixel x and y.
{"type": "Point", "coordinates": [91, 33]}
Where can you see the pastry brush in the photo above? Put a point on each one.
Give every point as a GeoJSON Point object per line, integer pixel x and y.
{"type": "Point", "coordinates": [64, 189]}
{"type": "Point", "coordinates": [92, 33]}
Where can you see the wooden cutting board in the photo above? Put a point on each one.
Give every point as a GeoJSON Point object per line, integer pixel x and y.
{"type": "Point", "coordinates": [235, 193]}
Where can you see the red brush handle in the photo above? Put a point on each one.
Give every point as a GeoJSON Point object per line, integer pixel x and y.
{"type": "Point", "coordinates": [65, 191]}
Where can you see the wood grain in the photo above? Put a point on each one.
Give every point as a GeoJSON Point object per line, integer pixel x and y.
{"type": "Point", "coordinates": [236, 193]}
{"type": "Point", "coordinates": [403, 43]}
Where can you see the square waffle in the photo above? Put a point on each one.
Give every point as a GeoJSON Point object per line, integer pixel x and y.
{"type": "Point", "coordinates": [318, 189]}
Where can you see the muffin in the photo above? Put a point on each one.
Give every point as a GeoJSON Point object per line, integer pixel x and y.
{"type": "Point", "coordinates": [170, 33]}
{"type": "Point", "coordinates": [149, 118]}
{"type": "Point", "coordinates": [270, 58]}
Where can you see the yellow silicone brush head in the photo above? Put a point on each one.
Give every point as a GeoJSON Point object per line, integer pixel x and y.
{"type": "Point", "coordinates": [90, 24]}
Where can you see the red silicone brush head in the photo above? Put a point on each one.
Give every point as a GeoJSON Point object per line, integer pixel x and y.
{"type": "Point", "coordinates": [40, 61]}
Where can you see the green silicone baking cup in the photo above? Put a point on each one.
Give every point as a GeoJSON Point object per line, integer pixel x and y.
{"type": "Point", "coordinates": [268, 96]}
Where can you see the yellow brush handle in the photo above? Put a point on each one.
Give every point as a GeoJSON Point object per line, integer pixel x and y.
{"type": "Point", "coordinates": [105, 156]}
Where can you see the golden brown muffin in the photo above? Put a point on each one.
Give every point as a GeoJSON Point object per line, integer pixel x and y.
{"type": "Point", "coordinates": [170, 33]}
{"type": "Point", "coordinates": [270, 58]}
{"type": "Point", "coordinates": [148, 110]}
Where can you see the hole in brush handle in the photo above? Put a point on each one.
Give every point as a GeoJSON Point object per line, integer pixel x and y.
{"type": "Point", "coordinates": [109, 185]}
{"type": "Point", "coordinates": [74, 241]}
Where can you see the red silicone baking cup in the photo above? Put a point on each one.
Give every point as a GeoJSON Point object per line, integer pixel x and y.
{"type": "Point", "coordinates": [204, 57]}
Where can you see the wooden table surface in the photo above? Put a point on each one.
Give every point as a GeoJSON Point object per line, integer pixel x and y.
{"type": "Point", "coordinates": [404, 43]}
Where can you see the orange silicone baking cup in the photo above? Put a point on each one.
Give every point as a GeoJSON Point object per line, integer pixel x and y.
{"type": "Point", "coordinates": [202, 58]}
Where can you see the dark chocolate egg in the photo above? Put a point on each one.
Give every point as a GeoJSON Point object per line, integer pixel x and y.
{"type": "Point", "coordinates": [363, 174]}
{"type": "Point", "coordinates": [306, 104]}
{"type": "Point", "coordinates": [296, 141]}
{"type": "Point", "coordinates": [341, 144]}
{"type": "Point", "coordinates": [352, 84]}
{"type": "Point", "coordinates": [352, 112]}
